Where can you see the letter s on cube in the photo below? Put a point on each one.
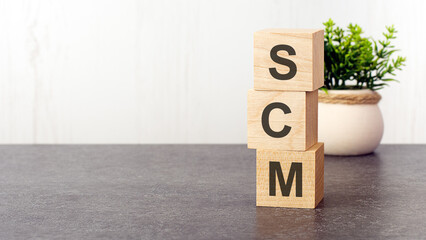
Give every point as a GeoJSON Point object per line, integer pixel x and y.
{"type": "Point", "coordinates": [282, 120]}
{"type": "Point", "coordinates": [289, 59]}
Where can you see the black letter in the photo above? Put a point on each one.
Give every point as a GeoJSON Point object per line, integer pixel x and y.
{"type": "Point", "coordinates": [265, 120]}
{"type": "Point", "coordinates": [296, 168]}
{"type": "Point", "coordinates": [283, 61]}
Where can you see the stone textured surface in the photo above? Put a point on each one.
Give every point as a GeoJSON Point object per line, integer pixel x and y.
{"type": "Point", "coordinates": [200, 192]}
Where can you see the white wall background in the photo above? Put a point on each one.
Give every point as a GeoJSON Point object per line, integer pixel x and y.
{"type": "Point", "coordinates": [172, 71]}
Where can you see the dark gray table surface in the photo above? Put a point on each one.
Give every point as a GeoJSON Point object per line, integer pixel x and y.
{"type": "Point", "coordinates": [201, 192]}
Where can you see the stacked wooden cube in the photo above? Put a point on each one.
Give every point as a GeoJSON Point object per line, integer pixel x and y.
{"type": "Point", "coordinates": [283, 117]}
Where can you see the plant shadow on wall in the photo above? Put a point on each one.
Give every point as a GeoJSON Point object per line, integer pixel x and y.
{"type": "Point", "coordinates": [355, 67]}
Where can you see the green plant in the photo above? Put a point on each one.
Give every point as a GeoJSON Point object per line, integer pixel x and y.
{"type": "Point", "coordinates": [355, 62]}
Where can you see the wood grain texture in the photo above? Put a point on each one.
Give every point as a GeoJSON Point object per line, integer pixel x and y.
{"type": "Point", "coordinates": [312, 177]}
{"type": "Point", "coordinates": [308, 45]}
{"type": "Point", "coordinates": [303, 120]}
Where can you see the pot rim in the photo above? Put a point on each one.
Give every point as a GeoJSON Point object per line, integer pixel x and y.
{"type": "Point", "coordinates": [350, 91]}
{"type": "Point", "coordinates": [350, 97]}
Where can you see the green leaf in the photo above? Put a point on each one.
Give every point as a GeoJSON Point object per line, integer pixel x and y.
{"type": "Point", "coordinates": [350, 56]}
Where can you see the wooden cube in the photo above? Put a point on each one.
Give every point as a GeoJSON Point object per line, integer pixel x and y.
{"type": "Point", "coordinates": [282, 120]}
{"type": "Point", "coordinates": [289, 59]}
{"type": "Point", "coordinates": [290, 178]}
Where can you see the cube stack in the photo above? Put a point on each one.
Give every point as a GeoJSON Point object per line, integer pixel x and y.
{"type": "Point", "coordinates": [283, 117]}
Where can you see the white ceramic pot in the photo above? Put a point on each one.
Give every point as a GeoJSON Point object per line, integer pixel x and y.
{"type": "Point", "coordinates": [349, 129]}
